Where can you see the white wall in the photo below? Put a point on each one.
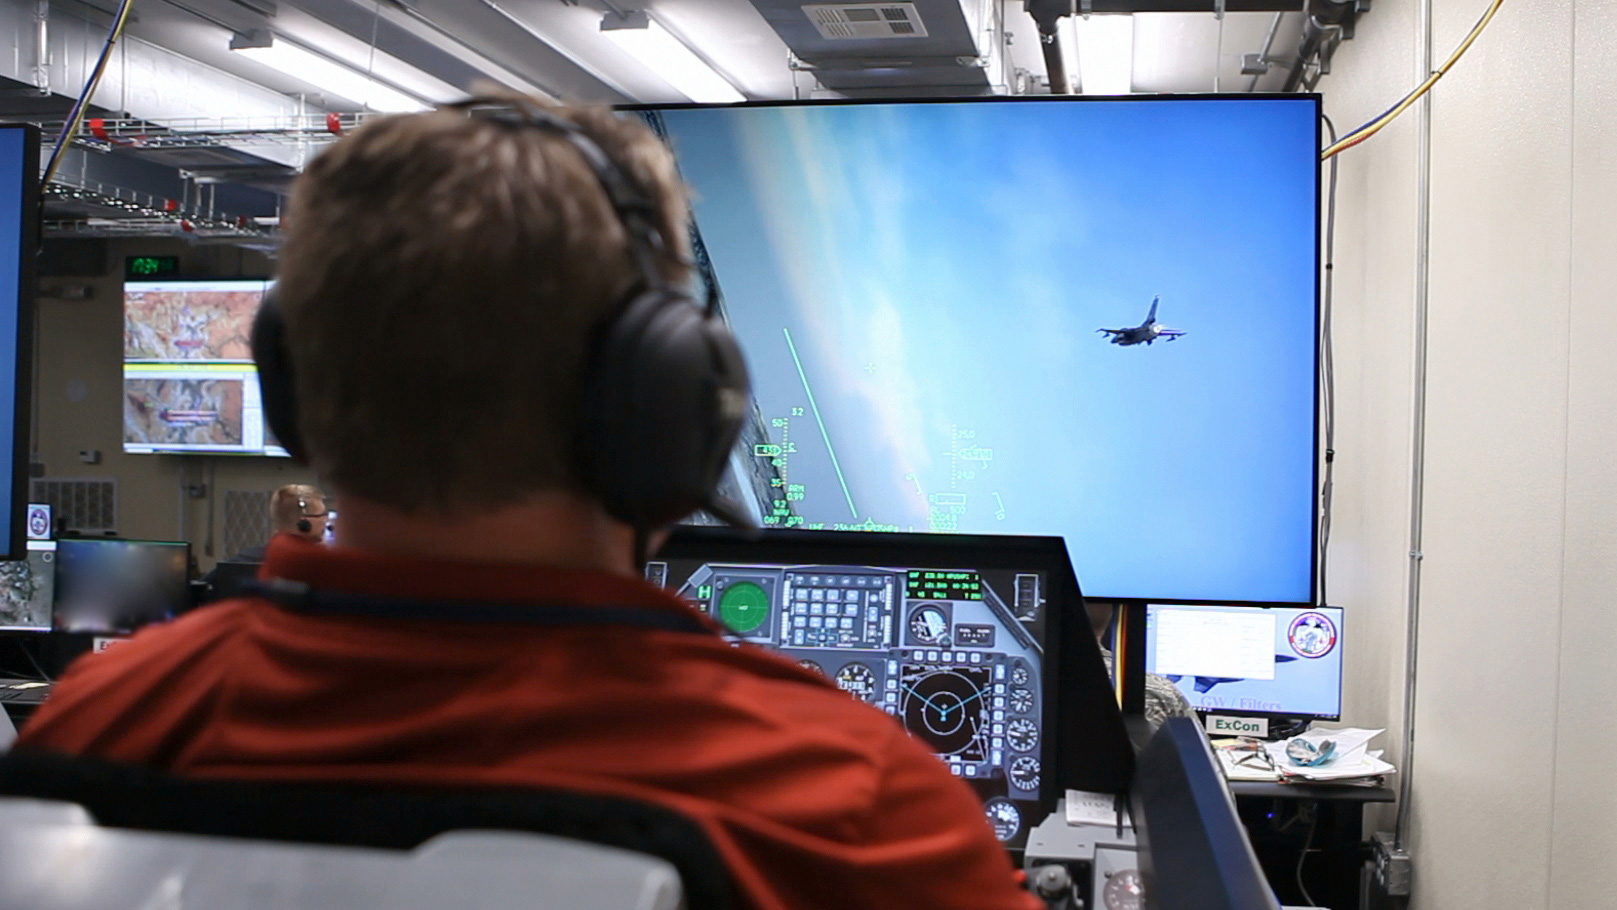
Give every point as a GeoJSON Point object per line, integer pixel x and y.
{"type": "Point", "coordinates": [78, 403]}
{"type": "Point", "coordinates": [1514, 806]}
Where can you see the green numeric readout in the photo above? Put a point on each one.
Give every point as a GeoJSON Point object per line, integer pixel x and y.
{"type": "Point", "coordinates": [944, 584]}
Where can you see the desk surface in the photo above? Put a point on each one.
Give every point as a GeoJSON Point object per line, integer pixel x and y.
{"type": "Point", "coordinates": [1353, 794]}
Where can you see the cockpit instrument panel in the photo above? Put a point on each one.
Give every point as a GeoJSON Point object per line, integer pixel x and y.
{"type": "Point", "coordinates": [954, 654]}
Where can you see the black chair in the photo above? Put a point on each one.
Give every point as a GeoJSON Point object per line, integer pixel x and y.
{"type": "Point", "coordinates": [388, 818]}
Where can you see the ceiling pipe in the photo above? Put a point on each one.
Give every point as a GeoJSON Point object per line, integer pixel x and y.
{"type": "Point", "coordinates": [1260, 65]}
{"type": "Point", "coordinates": [1047, 15]}
{"type": "Point", "coordinates": [1326, 24]}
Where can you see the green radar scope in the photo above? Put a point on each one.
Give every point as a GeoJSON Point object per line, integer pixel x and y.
{"type": "Point", "coordinates": [743, 607]}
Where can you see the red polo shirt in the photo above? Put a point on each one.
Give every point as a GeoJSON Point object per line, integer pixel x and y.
{"type": "Point", "coordinates": [814, 799]}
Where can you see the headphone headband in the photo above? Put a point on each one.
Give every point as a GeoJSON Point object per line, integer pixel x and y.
{"type": "Point", "coordinates": [634, 208]}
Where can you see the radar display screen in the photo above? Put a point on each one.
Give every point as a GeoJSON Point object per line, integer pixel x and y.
{"type": "Point", "coordinates": [955, 655]}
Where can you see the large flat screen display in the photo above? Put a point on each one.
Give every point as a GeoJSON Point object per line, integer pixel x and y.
{"type": "Point", "coordinates": [189, 381]}
{"type": "Point", "coordinates": [19, 246]}
{"type": "Point", "coordinates": [1093, 319]}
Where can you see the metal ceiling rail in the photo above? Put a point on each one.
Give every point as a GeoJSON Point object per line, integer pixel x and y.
{"type": "Point", "coordinates": [118, 211]}
{"type": "Point", "coordinates": [104, 134]}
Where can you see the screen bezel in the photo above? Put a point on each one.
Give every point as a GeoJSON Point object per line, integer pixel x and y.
{"type": "Point", "coordinates": [28, 195]}
{"type": "Point", "coordinates": [123, 291]}
{"type": "Point", "coordinates": [1136, 613]}
{"type": "Point", "coordinates": [1312, 99]}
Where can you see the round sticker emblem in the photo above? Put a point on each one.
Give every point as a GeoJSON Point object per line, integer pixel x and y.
{"type": "Point", "coordinates": [39, 523]}
{"type": "Point", "coordinates": [1312, 634]}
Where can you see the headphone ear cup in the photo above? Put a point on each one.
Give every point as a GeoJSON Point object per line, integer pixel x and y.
{"type": "Point", "coordinates": [305, 526]}
{"type": "Point", "coordinates": [662, 404]}
{"type": "Point", "coordinates": [277, 389]}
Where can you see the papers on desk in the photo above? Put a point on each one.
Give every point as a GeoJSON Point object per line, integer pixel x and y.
{"type": "Point", "coordinates": [1355, 762]}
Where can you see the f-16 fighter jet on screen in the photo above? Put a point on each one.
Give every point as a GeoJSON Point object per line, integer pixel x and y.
{"type": "Point", "coordinates": [1146, 332]}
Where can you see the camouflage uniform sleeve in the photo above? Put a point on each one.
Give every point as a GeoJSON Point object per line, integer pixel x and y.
{"type": "Point", "coordinates": [1163, 700]}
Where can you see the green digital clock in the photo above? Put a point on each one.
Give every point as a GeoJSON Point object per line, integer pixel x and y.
{"type": "Point", "coordinates": [151, 266]}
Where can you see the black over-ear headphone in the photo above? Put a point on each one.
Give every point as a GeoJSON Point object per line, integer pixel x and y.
{"type": "Point", "coordinates": [304, 525]}
{"type": "Point", "coordinates": [664, 390]}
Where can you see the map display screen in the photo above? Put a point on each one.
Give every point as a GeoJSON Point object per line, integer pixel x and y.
{"type": "Point", "coordinates": [189, 380]}
{"type": "Point", "coordinates": [956, 655]}
{"type": "Point", "coordinates": [27, 588]}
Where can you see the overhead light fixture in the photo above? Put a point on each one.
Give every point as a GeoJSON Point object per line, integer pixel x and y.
{"type": "Point", "coordinates": [670, 58]}
{"type": "Point", "coordinates": [1105, 54]}
{"type": "Point", "coordinates": [328, 75]}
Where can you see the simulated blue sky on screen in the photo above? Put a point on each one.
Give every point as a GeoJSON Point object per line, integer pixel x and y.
{"type": "Point", "coordinates": [932, 276]}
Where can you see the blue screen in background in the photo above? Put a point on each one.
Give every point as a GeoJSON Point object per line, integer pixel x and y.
{"type": "Point", "coordinates": [918, 287]}
{"type": "Point", "coordinates": [1245, 660]}
{"type": "Point", "coordinates": [13, 164]}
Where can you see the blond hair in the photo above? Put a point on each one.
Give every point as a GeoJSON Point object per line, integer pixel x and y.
{"type": "Point", "coordinates": [289, 505]}
{"type": "Point", "coordinates": [442, 277]}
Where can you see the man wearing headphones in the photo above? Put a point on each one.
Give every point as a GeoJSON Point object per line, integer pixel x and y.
{"type": "Point", "coordinates": [478, 342]}
{"type": "Point", "coordinates": [298, 509]}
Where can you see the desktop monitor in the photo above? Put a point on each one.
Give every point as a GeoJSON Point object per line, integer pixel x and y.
{"type": "Point", "coordinates": [27, 588]}
{"type": "Point", "coordinates": [190, 386]}
{"type": "Point", "coordinates": [117, 586]}
{"type": "Point", "coordinates": [951, 309]}
{"type": "Point", "coordinates": [955, 637]}
{"type": "Point", "coordinates": [19, 247]}
{"type": "Point", "coordinates": [1267, 661]}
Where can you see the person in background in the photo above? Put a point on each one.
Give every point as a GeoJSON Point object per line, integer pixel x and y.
{"type": "Point", "coordinates": [442, 278]}
{"type": "Point", "coordinates": [298, 509]}
{"type": "Point", "coordinates": [1162, 698]}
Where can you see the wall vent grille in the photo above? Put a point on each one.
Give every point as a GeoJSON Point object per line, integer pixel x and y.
{"type": "Point", "coordinates": [247, 522]}
{"type": "Point", "coordinates": [865, 21]}
{"type": "Point", "coordinates": [86, 505]}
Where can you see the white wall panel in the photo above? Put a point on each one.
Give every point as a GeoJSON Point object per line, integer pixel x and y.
{"type": "Point", "coordinates": [1584, 838]}
{"type": "Point", "coordinates": [1374, 324]}
{"type": "Point", "coordinates": [1514, 802]}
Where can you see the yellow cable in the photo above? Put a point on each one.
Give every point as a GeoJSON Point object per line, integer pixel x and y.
{"type": "Point", "coordinates": [1374, 126]}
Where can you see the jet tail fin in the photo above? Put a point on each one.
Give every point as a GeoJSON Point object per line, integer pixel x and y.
{"type": "Point", "coordinates": [1152, 316]}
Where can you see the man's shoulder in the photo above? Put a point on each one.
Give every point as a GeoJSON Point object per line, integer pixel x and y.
{"type": "Point", "coordinates": [155, 652]}
{"type": "Point", "coordinates": [139, 680]}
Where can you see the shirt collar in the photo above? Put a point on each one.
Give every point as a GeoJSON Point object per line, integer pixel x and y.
{"type": "Point", "coordinates": [325, 567]}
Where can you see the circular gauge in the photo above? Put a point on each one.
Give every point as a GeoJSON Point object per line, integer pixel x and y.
{"type": "Point", "coordinates": [945, 706]}
{"type": "Point", "coordinates": [857, 680]}
{"type": "Point", "coordinates": [1005, 818]}
{"type": "Point", "coordinates": [1019, 675]}
{"type": "Point", "coordinates": [1124, 890]}
{"type": "Point", "coordinates": [811, 665]}
{"type": "Point", "coordinates": [1025, 772]}
{"type": "Point", "coordinates": [1021, 699]}
{"type": "Point", "coordinates": [743, 606]}
{"type": "Point", "coordinates": [1022, 734]}
{"type": "Point", "coordinates": [928, 625]}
